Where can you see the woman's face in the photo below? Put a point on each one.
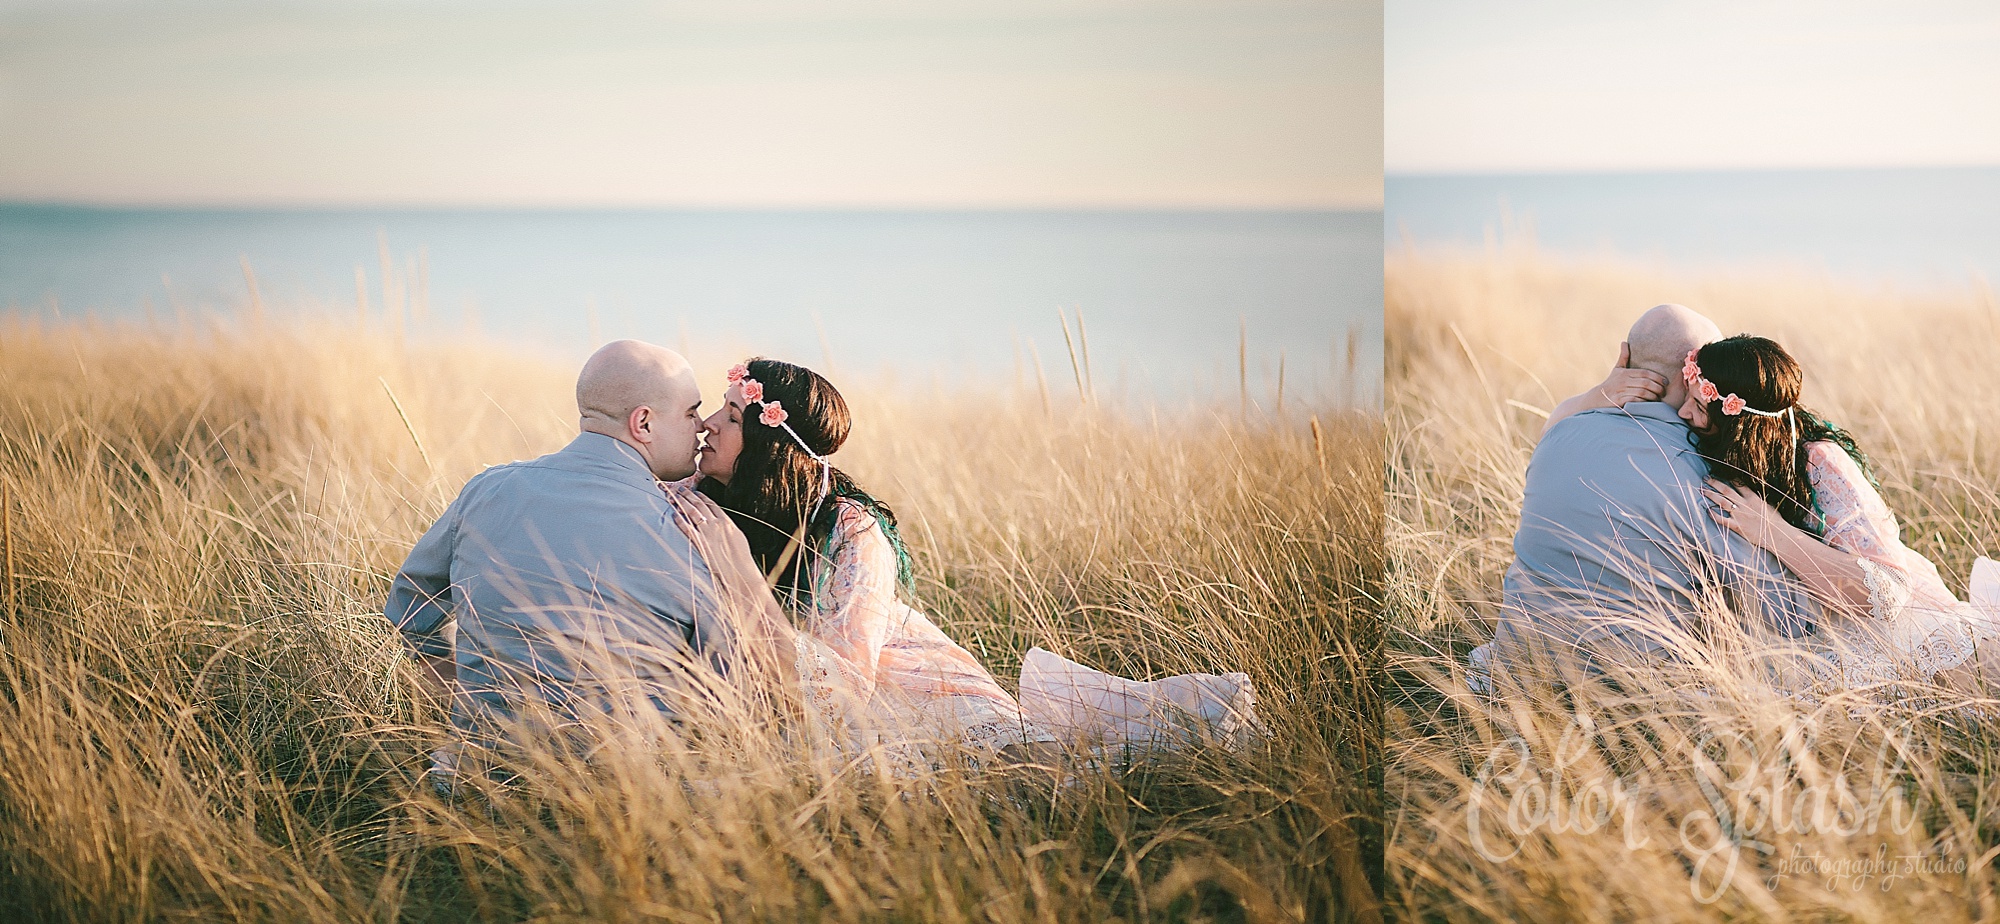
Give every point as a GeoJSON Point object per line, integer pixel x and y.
{"type": "Point", "coordinates": [1695, 412]}
{"type": "Point", "coordinates": [723, 431]}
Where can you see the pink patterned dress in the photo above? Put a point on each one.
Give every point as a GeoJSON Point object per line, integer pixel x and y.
{"type": "Point", "coordinates": [1919, 627]}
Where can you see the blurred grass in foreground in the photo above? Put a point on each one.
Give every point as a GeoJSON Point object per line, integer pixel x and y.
{"type": "Point", "coordinates": [1692, 794]}
{"type": "Point", "coordinates": [203, 715]}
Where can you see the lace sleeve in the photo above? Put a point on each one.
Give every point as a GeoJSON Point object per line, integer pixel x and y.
{"type": "Point", "coordinates": [854, 598]}
{"type": "Point", "coordinates": [1857, 521]}
{"type": "Point", "coordinates": [1888, 594]}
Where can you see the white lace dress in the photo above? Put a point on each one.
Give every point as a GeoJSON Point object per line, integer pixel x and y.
{"type": "Point", "coordinates": [1916, 626]}
{"type": "Point", "coordinates": [880, 677]}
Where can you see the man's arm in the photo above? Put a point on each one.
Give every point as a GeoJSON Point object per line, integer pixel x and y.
{"type": "Point", "coordinates": [420, 604]}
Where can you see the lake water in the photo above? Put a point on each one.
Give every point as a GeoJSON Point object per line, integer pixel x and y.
{"type": "Point", "coordinates": [955, 297]}
{"type": "Point", "coordinates": [1920, 228]}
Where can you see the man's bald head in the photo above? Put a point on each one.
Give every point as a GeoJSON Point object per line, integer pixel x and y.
{"type": "Point", "coordinates": [1661, 339]}
{"type": "Point", "coordinates": [645, 396]}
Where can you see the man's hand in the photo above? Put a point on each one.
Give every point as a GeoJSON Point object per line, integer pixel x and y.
{"type": "Point", "coordinates": [440, 678]}
{"type": "Point", "coordinates": [1625, 384]}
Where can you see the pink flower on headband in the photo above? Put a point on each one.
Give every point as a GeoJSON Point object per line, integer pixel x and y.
{"type": "Point", "coordinates": [753, 390]}
{"type": "Point", "coordinates": [1690, 370]}
{"type": "Point", "coordinates": [1707, 390]}
{"type": "Point", "coordinates": [738, 372]}
{"type": "Point", "coordinates": [774, 414]}
{"type": "Point", "coordinates": [1733, 405]}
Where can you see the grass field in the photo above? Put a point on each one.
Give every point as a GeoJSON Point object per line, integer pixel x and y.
{"type": "Point", "coordinates": [1695, 794]}
{"type": "Point", "coordinates": [203, 715]}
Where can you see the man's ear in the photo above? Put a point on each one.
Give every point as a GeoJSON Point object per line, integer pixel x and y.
{"type": "Point", "coordinates": [640, 424]}
{"type": "Point", "coordinates": [1624, 354]}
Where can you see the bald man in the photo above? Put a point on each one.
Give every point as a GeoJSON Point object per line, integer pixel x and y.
{"type": "Point", "coordinates": [563, 580]}
{"type": "Point", "coordinates": [1616, 555]}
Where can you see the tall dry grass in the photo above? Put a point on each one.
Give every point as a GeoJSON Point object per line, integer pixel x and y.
{"type": "Point", "coordinates": [203, 715]}
{"type": "Point", "coordinates": [1699, 793]}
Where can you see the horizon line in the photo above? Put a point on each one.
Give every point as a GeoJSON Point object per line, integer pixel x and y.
{"type": "Point", "coordinates": [1632, 171]}
{"type": "Point", "coordinates": [388, 206]}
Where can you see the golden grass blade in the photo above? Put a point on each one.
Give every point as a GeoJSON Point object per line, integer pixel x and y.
{"type": "Point", "coordinates": [1075, 368]}
{"type": "Point", "coordinates": [1041, 377]}
{"type": "Point", "coordinates": [7, 536]}
{"type": "Point", "coordinates": [1083, 343]}
{"type": "Point", "coordinates": [1281, 383]}
{"type": "Point", "coordinates": [1319, 444]}
{"type": "Point", "coordinates": [256, 297]}
{"type": "Point", "coordinates": [792, 547]}
{"type": "Point", "coordinates": [409, 427]}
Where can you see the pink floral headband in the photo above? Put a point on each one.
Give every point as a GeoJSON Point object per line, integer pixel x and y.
{"type": "Point", "coordinates": [774, 415]}
{"type": "Point", "coordinates": [1706, 391]}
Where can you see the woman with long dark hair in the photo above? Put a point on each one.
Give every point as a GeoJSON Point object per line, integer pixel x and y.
{"type": "Point", "coordinates": [771, 507]}
{"type": "Point", "coordinates": [1796, 485]}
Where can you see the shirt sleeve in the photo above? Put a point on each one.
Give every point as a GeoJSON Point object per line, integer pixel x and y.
{"type": "Point", "coordinates": [420, 599]}
{"type": "Point", "coordinates": [854, 597]}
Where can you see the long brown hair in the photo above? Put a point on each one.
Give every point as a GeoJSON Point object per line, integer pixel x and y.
{"type": "Point", "coordinates": [1766, 454]}
{"type": "Point", "coordinates": [777, 484]}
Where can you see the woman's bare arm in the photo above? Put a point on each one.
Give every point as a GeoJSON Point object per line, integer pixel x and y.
{"type": "Point", "coordinates": [1831, 575]}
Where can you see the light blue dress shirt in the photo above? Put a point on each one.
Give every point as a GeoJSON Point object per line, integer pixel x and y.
{"type": "Point", "coordinates": [1616, 550]}
{"type": "Point", "coordinates": [559, 579]}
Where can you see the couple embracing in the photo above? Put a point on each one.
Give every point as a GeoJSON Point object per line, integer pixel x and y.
{"type": "Point", "coordinates": [1693, 486]}
{"type": "Point", "coordinates": [664, 550]}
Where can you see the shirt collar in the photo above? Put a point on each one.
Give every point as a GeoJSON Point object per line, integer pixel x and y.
{"type": "Point", "coordinates": [610, 456]}
{"type": "Point", "coordinates": [1649, 410]}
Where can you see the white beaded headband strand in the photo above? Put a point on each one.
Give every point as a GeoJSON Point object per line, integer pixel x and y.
{"type": "Point", "coordinates": [1706, 390]}
{"type": "Point", "coordinates": [1732, 405]}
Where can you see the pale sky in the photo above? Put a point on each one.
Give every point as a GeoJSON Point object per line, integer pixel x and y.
{"type": "Point", "coordinates": [804, 103]}
{"type": "Point", "coordinates": [1475, 86]}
